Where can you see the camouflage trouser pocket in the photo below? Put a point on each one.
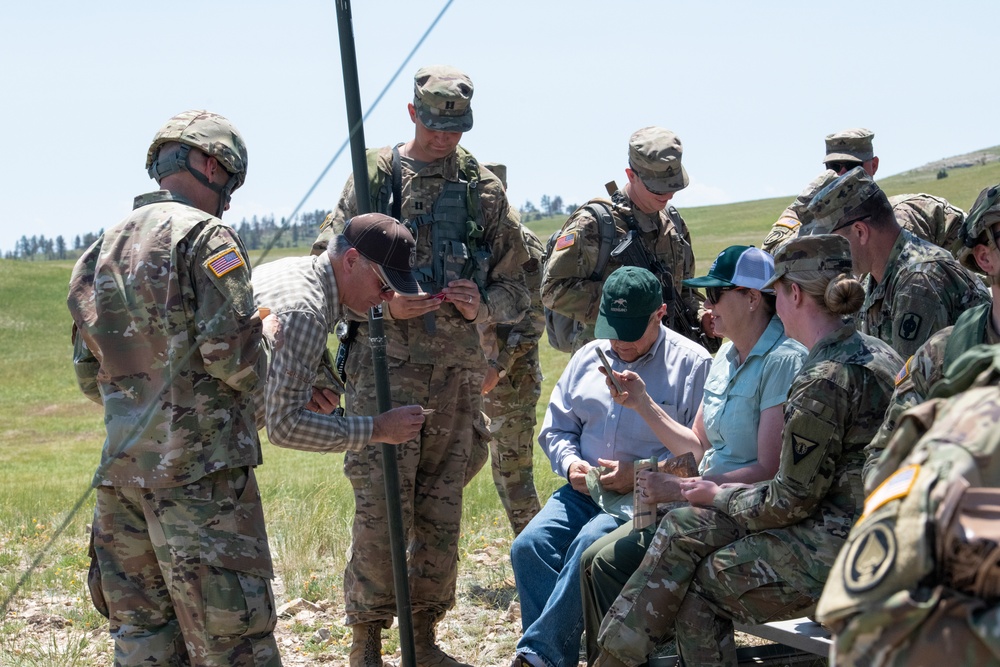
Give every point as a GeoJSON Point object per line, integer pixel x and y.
{"type": "Point", "coordinates": [236, 585]}
{"type": "Point", "coordinates": [94, 578]}
{"type": "Point", "coordinates": [480, 451]}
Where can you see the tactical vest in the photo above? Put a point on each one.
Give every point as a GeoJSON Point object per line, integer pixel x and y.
{"type": "Point", "coordinates": [455, 222]}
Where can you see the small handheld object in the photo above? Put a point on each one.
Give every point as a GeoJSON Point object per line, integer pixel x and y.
{"type": "Point", "coordinates": [607, 369]}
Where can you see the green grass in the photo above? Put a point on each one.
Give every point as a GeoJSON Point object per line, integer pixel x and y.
{"type": "Point", "coordinates": [51, 436]}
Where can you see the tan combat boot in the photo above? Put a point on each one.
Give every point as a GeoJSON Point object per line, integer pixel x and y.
{"type": "Point", "coordinates": [366, 649]}
{"type": "Point", "coordinates": [426, 650]}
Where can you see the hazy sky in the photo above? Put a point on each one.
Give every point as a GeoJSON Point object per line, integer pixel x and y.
{"type": "Point", "coordinates": [751, 88]}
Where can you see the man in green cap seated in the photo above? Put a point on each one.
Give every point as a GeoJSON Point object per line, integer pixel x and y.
{"type": "Point", "coordinates": [912, 288]}
{"type": "Point", "coordinates": [584, 429]}
{"type": "Point", "coordinates": [581, 258]}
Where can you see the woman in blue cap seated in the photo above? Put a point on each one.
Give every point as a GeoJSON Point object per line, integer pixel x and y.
{"type": "Point", "coordinates": [736, 435]}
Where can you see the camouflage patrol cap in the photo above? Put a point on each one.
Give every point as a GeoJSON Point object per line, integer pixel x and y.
{"type": "Point", "coordinates": [984, 215]}
{"type": "Point", "coordinates": [630, 295]}
{"type": "Point", "coordinates": [654, 154]}
{"type": "Point", "coordinates": [835, 205]}
{"type": "Point", "coordinates": [442, 96]}
{"type": "Point", "coordinates": [853, 145]}
{"type": "Point", "coordinates": [210, 133]}
{"type": "Point", "coordinates": [824, 252]}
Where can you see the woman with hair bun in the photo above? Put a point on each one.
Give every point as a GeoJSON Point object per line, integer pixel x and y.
{"type": "Point", "coordinates": [755, 553]}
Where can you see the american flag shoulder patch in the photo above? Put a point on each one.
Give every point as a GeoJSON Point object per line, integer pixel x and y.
{"type": "Point", "coordinates": [897, 486]}
{"type": "Point", "coordinates": [565, 241]}
{"type": "Point", "coordinates": [904, 372]}
{"type": "Point", "coordinates": [224, 262]}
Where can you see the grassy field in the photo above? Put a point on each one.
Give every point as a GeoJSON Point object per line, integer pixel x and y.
{"type": "Point", "coordinates": [51, 436]}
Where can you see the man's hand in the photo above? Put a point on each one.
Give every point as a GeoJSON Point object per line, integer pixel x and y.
{"type": "Point", "coordinates": [464, 295]}
{"type": "Point", "coordinates": [577, 475]}
{"type": "Point", "coordinates": [408, 307]}
{"type": "Point", "coordinates": [272, 331]}
{"type": "Point", "coordinates": [324, 401]}
{"type": "Point", "coordinates": [708, 326]}
{"type": "Point", "coordinates": [491, 380]}
{"type": "Point", "coordinates": [398, 425]}
{"type": "Point", "coordinates": [619, 477]}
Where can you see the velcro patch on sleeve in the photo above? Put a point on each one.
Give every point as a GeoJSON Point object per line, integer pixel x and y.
{"type": "Point", "coordinates": [904, 372]}
{"type": "Point", "coordinates": [565, 241]}
{"type": "Point", "coordinates": [224, 262]}
{"type": "Point", "coordinates": [897, 486]}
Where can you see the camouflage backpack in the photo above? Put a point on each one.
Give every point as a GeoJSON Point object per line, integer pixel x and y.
{"type": "Point", "coordinates": [560, 329]}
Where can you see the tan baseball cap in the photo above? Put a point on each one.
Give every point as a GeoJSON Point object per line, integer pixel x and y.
{"type": "Point", "coordinates": [824, 252]}
{"type": "Point", "coordinates": [654, 154]}
{"type": "Point", "coordinates": [442, 96]}
{"type": "Point", "coordinates": [853, 145]}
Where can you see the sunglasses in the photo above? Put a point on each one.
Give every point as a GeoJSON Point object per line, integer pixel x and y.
{"type": "Point", "coordinates": [385, 290]}
{"type": "Point", "coordinates": [841, 167]}
{"type": "Point", "coordinates": [713, 294]}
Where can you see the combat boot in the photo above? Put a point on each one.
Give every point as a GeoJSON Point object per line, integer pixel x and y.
{"type": "Point", "coordinates": [426, 650]}
{"type": "Point", "coordinates": [366, 649]}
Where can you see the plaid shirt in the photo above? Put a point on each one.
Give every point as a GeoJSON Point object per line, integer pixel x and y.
{"type": "Point", "coordinates": [302, 292]}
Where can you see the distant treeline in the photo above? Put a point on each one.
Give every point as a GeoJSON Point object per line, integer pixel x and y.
{"type": "Point", "coordinates": [257, 233]}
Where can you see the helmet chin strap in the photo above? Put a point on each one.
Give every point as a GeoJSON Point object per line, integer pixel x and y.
{"type": "Point", "coordinates": [180, 160]}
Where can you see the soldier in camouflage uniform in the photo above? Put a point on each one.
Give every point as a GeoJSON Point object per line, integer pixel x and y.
{"type": "Point", "coordinates": [913, 288]}
{"type": "Point", "coordinates": [975, 326]}
{"type": "Point", "coordinates": [471, 274]}
{"type": "Point", "coordinates": [511, 391]}
{"type": "Point", "coordinates": [926, 216]}
{"type": "Point", "coordinates": [167, 339]}
{"type": "Point", "coordinates": [758, 553]}
{"type": "Point", "coordinates": [917, 582]}
{"type": "Point", "coordinates": [655, 174]}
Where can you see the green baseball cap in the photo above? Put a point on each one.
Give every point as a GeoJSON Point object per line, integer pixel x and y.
{"type": "Point", "coordinates": [631, 294]}
{"type": "Point", "coordinates": [654, 154]}
{"type": "Point", "coordinates": [737, 266]}
{"type": "Point", "coordinates": [822, 252]}
{"type": "Point", "coordinates": [853, 145]}
{"type": "Point", "coordinates": [442, 96]}
{"type": "Point", "coordinates": [835, 205]}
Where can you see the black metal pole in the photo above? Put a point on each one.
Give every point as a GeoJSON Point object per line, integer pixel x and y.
{"type": "Point", "coordinates": [376, 334]}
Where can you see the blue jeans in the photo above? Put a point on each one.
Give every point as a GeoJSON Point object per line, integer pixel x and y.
{"type": "Point", "coordinates": [546, 562]}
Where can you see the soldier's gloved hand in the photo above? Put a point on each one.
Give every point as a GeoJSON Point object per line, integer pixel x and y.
{"type": "Point", "coordinates": [408, 307]}
{"type": "Point", "coordinates": [398, 425]}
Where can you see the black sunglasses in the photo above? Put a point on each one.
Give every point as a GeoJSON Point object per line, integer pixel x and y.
{"type": "Point", "coordinates": [713, 294]}
{"type": "Point", "coordinates": [841, 167]}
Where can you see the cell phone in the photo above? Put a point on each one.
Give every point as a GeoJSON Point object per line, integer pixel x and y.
{"type": "Point", "coordinates": [607, 368]}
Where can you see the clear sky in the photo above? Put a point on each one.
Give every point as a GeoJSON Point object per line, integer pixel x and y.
{"type": "Point", "coordinates": [751, 88]}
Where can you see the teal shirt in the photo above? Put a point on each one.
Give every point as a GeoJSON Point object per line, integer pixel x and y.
{"type": "Point", "coordinates": [736, 394]}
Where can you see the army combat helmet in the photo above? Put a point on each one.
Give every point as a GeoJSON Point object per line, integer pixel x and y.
{"type": "Point", "coordinates": [210, 133]}
{"type": "Point", "coordinates": [984, 215]}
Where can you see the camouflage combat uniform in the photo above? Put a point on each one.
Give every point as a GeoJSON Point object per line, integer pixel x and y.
{"type": "Point", "coordinates": [567, 287]}
{"type": "Point", "coordinates": [436, 362]}
{"type": "Point", "coordinates": [164, 339]}
{"type": "Point", "coordinates": [931, 218]}
{"type": "Point", "coordinates": [762, 553]}
{"type": "Point", "coordinates": [511, 404]}
{"type": "Point", "coordinates": [923, 289]}
{"type": "Point", "coordinates": [913, 585]}
{"type": "Point", "coordinates": [914, 382]}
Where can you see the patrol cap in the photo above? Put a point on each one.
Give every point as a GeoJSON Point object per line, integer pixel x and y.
{"type": "Point", "coordinates": [801, 204]}
{"type": "Point", "coordinates": [823, 252]}
{"type": "Point", "coordinates": [442, 96]}
{"type": "Point", "coordinates": [631, 294]}
{"type": "Point", "coordinates": [853, 145]}
{"type": "Point", "coordinates": [984, 214]}
{"type": "Point", "coordinates": [390, 245]}
{"type": "Point", "coordinates": [737, 266]}
{"type": "Point", "coordinates": [835, 205]}
{"type": "Point", "coordinates": [654, 154]}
